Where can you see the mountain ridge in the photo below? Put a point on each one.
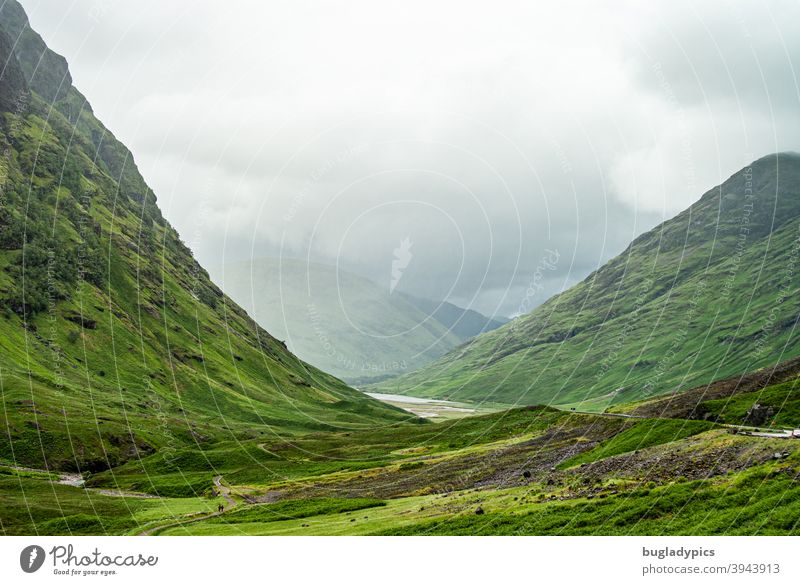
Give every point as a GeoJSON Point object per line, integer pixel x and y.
{"type": "Point", "coordinates": [344, 323]}
{"type": "Point", "coordinates": [603, 340]}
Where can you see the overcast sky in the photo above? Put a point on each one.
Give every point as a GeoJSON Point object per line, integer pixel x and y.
{"type": "Point", "coordinates": [485, 133]}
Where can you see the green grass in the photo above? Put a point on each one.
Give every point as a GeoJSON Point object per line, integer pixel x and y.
{"type": "Point", "coordinates": [784, 399]}
{"type": "Point", "coordinates": [27, 473]}
{"type": "Point", "coordinates": [755, 503]}
{"type": "Point", "coordinates": [37, 506]}
{"type": "Point", "coordinates": [188, 472]}
{"type": "Point", "coordinates": [623, 500]}
{"type": "Point", "coordinates": [294, 509]}
{"type": "Point", "coordinates": [640, 435]}
{"type": "Point", "coordinates": [356, 522]}
{"type": "Point", "coordinates": [762, 500]}
{"type": "Point", "coordinates": [119, 358]}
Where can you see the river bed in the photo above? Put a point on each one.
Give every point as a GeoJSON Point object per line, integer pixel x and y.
{"type": "Point", "coordinates": [425, 407]}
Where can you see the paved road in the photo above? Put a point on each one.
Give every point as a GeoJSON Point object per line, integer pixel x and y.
{"type": "Point", "coordinates": [743, 429]}
{"type": "Point", "coordinates": [612, 414]}
{"type": "Point", "coordinates": [783, 434]}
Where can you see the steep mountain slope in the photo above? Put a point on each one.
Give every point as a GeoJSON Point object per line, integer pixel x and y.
{"type": "Point", "coordinates": [346, 324]}
{"type": "Point", "coordinates": [113, 340]}
{"type": "Point", "coordinates": [707, 294]}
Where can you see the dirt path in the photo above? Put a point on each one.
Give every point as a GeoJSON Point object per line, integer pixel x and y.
{"type": "Point", "coordinates": [223, 491]}
{"type": "Point", "coordinates": [77, 480]}
{"type": "Point", "coordinates": [123, 494]}
{"type": "Point", "coordinates": [72, 479]}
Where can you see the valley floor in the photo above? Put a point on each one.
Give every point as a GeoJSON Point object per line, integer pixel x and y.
{"type": "Point", "coordinates": [533, 470]}
{"type": "Point", "coordinates": [435, 410]}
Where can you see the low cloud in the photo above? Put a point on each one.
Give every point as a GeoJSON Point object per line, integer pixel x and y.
{"type": "Point", "coordinates": [332, 131]}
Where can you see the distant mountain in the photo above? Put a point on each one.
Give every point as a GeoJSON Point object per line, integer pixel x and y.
{"type": "Point", "coordinates": [346, 324]}
{"type": "Point", "coordinates": [114, 342]}
{"type": "Point", "coordinates": [708, 294]}
{"type": "Point", "coordinates": [465, 323]}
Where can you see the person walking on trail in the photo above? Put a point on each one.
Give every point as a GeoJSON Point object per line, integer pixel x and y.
{"type": "Point", "coordinates": [220, 508]}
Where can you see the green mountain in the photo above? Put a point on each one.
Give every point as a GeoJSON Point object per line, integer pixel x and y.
{"type": "Point", "coordinates": [114, 342]}
{"type": "Point", "coordinates": [465, 323]}
{"type": "Point", "coordinates": [708, 294]}
{"type": "Point", "coordinates": [120, 359]}
{"type": "Point", "coordinates": [346, 324]}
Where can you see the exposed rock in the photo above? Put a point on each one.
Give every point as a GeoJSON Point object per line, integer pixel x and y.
{"type": "Point", "coordinates": [13, 89]}
{"type": "Point", "coordinates": [758, 415]}
{"type": "Point", "coordinates": [81, 320]}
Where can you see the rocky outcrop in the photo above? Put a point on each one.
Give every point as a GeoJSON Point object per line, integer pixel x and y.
{"type": "Point", "coordinates": [45, 71]}
{"type": "Point", "coordinates": [13, 89]}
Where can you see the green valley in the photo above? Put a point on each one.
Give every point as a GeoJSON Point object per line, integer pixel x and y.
{"type": "Point", "coordinates": [344, 323]}
{"type": "Point", "coordinates": [137, 397]}
{"type": "Point", "coordinates": [531, 470]}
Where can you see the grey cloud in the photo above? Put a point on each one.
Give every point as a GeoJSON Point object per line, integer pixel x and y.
{"type": "Point", "coordinates": [740, 52]}
{"type": "Point", "coordinates": [332, 131]}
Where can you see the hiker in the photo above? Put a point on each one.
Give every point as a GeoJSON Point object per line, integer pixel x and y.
{"type": "Point", "coordinates": [220, 508]}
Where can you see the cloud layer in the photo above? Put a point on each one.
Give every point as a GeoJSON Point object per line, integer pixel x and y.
{"type": "Point", "coordinates": [488, 136]}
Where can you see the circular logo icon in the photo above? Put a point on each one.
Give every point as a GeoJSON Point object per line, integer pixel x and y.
{"type": "Point", "coordinates": [31, 558]}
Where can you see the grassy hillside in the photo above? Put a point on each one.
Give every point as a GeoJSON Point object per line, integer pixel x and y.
{"type": "Point", "coordinates": [137, 398]}
{"type": "Point", "coordinates": [532, 470]}
{"type": "Point", "coordinates": [346, 324]}
{"type": "Point", "coordinates": [709, 293]}
{"type": "Point", "coordinates": [114, 343]}
{"type": "Point", "coordinates": [769, 397]}
{"type": "Point", "coordinates": [745, 506]}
